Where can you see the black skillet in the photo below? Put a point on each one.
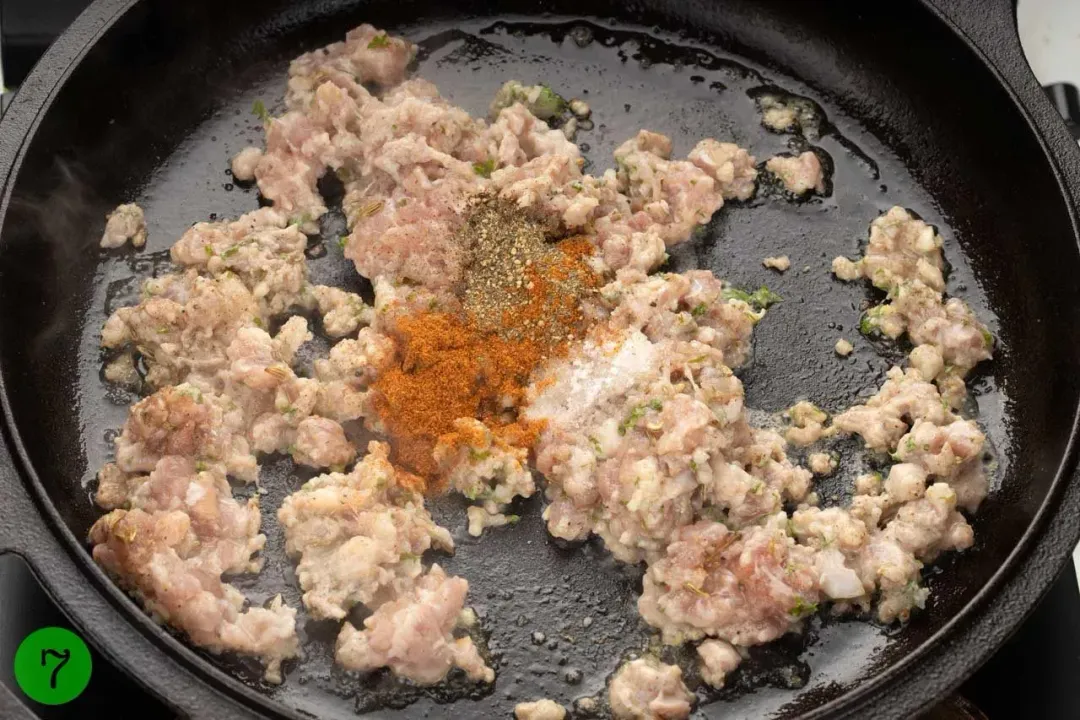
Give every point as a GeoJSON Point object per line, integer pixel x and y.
{"type": "Point", "coordinates": [929, 105]}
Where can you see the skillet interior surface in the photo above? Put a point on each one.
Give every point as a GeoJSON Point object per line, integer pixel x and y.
{"type": "Point", "coordinates": [157, 108]}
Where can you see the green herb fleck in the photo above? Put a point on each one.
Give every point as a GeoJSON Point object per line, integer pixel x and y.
{"type": "Point", "coordinates": [596, 446]}
{"type": "Point", "coordinates": [760, 299]}
{"type": "Point", "coordinates": [988, 339]}
{"type": "Point", "coordinates": [231, 250]}
{"type": "Point", "coordinates": [512, 519]}
{"type": "Point", "coordinates": [258, 109]}
{"type": "Point", "coordinates": [656, 404]}
{"type": "Point", "coordinates": [763, 297]}
{"type": "Point", "coordinates": [343, 241]}
{"type": "Point", "coordinates": [208, 250]}
{"type": "Point", "coordinates": [631, 419]}
{"type": "Point", "coordinates": [699, 310]}
{"type": "Point", "coordinates": [478, 455]}
{"type": "Point", "coordinates": [867, 325]}
{"type": "Point", "coordinates": [802, 608]}
{"type": "Point", "coordinates": [484, 169]}
{"type": "Point", "coordinates": [378, 42]}
{"type": "Point", "coordinates": [548, 103]}
{"type": "Point", "coordinates": [200, 466]}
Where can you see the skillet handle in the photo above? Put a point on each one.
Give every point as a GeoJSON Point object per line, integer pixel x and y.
{"type": "Point", "coordinates": [990, 27]}
{"type": "Point", "coordinates": [28, 533]}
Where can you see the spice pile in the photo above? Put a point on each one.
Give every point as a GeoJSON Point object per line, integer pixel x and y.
{"type": "Point", "coordinates": [518, 284]}
{"type": "Point", "coordinates": [522, 304]}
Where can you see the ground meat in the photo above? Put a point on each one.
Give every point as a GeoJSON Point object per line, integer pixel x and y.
{"type": "Point", "coordinates": [126, 222]}
{"type": "Point", "coordinates": [184, 421]}
{"type": "Point", "coordinates": [883, 420]}
{"type": "Point", "coordinates": [280, 407]}
{"type": "Point", "coordinates": [904, 258]}
{"type": "Point", "coordinates": [746, 587]}
{"type": "Point", "coordinates": [716, 659]}
{"type": "Point", "coordinates": [631, 218]}
{"type": "Point", "coordinates": [413, 635]}
{"type": "Point", "coordinates": [787, 113]}
{"type": "Point", "coordinates": [799, 174]}
{"type": "Point", "coordinates": [601, 453]}
{"type": "Point", "coordinates": [480, 518]}
{"type": "Point", "coordinates": [677, 195]}
{"type": "Point", "coordinates": [644, 428]}
{"type": "Point", "coordinates": [227, 530]}
{"type": "Point", "coordinates": [114, 486]}
{"type": "Point", "coordinates": [261, 248]}
{"type": "Point", "coordinates": [177, 578]}
{"type": "Point", "coordinates": [843, 348]}
{"type": "Point", "coordinates": [521, 135]}
{"type": "Point", "coordinates": [780, 264]}
{"type": "Point", "coordinates": [807, 423]}
{"type": "Point", "coordinates": [343, 313]}
{"type": "Point", "coordinates": [122, 371]}
{"type": "Point", "coordinates": [951, 453]}
{"type": "Point", "coordinates": [934, 447]}
{"type": "Point", "coordinates": [368, 55]}
{"type": "Point", "coordinates": [321, 442]}
{"type": "Point", "coordinates": [868, 484]}
{"type": "Point", "coordinates": [483, 467]}
{"type": "Point", "coordinates": [244, 164]}
{"type": "Point", "coordinates": [539, 710]}
{"type": "Point", "coordinates": [359, 536]}
{"type": "Point", "coordinates": [182, 326]}
{"type": "Point", "coordinates": [692, 306]}
{"type": "Point", "coordinates": [839, 538]}
{"type": "Point", "coordinates": [296, 156]}
{"type": "Point", "coordinates": [290, 338]}
{"type": "Point", "coordinates": [729, 165]}
{"type": "Point", "coordinates": [846, 269]}
{"type": "Point", "coordinates": [901, 247]}
{"type": "Point", "coordinates": [646, 689]}
{"type": "Point", "coordinates": [821, 463]}
{"type": "Point", "coordinates": [409, 236]}
{"type": "Point", "coordinates": [921, 530]}
{"type": "Point", "coordinates": [759, 481]}
{"type": "Point", "coordinates": [353, 364]}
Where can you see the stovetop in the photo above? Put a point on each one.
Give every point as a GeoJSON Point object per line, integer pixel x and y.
{"type": "Point", "coordinates": [1036, 675]}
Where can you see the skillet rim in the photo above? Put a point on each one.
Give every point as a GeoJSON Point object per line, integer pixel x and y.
{"type": "Point", "coordinates": [972, 634]}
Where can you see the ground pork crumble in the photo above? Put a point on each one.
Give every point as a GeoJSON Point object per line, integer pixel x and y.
{"type": "Point", "coordinates": [644, 438]}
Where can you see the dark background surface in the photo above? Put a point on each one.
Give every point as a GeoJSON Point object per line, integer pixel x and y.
{"type": "Point", "coordinates": [1035, 675]}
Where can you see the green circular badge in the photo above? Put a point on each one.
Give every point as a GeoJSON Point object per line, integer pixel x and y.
{"type": "Point", "coordinates": [52, 666]}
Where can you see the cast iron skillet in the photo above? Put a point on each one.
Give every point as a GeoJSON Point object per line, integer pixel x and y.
{"type": "Point", "coordinates": [929, 105]}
